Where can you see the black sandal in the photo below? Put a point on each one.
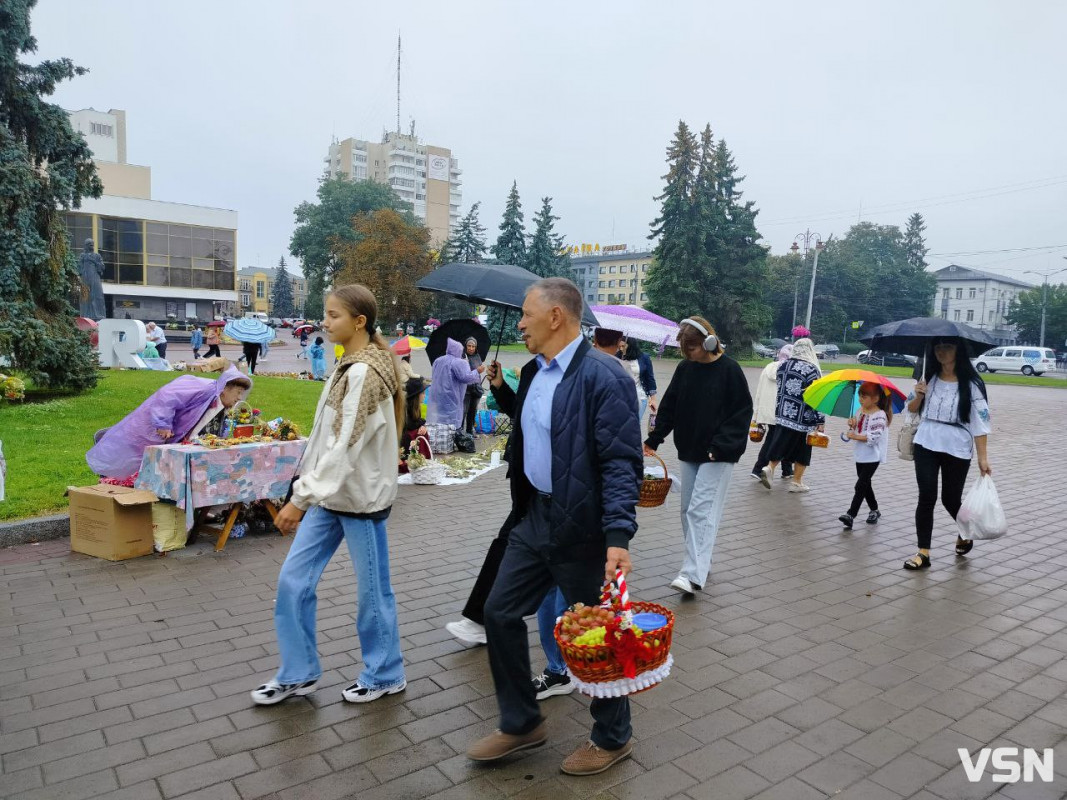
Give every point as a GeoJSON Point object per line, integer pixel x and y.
{"type": "Point", "coordinates": [963, 546]}
{"type": "Point", "coordinates": [917, 561]}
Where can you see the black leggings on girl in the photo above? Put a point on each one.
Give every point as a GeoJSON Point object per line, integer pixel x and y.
{"type": "Point", "coordinates": [953, 477]}
{"type": "Point", "coordinates": [864, 491]}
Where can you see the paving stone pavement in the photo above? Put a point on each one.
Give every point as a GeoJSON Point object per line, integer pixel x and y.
{"type": "Point", "coordinates": [811, 666]}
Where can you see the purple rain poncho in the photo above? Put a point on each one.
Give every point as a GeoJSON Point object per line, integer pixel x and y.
{"type": "Point", "coordinates": [451, 376]}
{"type": "Point", "coordinates": [176, 407]}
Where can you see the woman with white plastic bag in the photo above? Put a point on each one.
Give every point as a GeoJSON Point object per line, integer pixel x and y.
{"type": "Point", "coordinates": [953, 425]}
{"type": "Point", "coordinates": [981, 515]}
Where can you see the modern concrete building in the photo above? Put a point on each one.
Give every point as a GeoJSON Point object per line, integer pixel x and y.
{"type": "Point", "coordinates": [612, 275]}
{"type": "Point", "coordinates": [980, 299]}
{"type": "Point", "coordinates": [162, 260]}
{"type": "Point", "coordinates": [255, 284]}
{"type": "Point", "coordinates": [424, 175]}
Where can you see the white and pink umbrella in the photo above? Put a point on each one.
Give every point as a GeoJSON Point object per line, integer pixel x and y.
{"type": "Point", "coordinates": [638, 323]}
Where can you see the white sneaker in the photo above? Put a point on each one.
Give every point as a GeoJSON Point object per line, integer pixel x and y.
{"type": "Point", "coordinates": [799, 488]}
{"type": "Point", "coordinates": [467, 631]}
{"type": "Point", "coordinates": [683, 584]}
{"type": "Point", "coordinates": [358, 693]}
{"type": "Point", "coordinates": [273, 692]}
{"type": "Point", "coordinates": [765, 477]}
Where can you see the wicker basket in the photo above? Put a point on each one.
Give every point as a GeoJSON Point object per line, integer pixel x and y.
{"type": "Point", "coordinates": [596, 671]}
{"type": "Point", "coordinates": [432, 473]}
{"type": "Point", "coordinates": [756, 432]}
{"type": "Point", "coordinates": [654, 491]}
{"type": "Point", "coordinates": [817, 439]}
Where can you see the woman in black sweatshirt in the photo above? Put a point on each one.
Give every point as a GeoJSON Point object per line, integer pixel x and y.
{"type": "Point", "coordinates": [708, 407]}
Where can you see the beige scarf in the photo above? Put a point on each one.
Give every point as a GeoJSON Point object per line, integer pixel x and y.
{"type": "Point", "coordinates": [380, 384]}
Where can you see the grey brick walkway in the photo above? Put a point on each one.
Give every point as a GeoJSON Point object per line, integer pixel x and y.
{"type": "Point", "coordinates": [812, 666]}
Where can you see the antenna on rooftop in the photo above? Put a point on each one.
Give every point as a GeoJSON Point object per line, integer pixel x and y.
{"type": "Point", "coordinates": [398, 83]}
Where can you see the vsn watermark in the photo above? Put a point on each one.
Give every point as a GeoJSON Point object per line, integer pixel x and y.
{"type": "Point", "coordinates": [1008, 765]}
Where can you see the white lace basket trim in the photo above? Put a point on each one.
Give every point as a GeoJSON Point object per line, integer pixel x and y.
{"type": "Point", "coordinates": [624, 686]}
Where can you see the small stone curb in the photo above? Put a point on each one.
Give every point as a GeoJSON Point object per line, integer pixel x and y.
{"type": "Point", "coordinates": [34, 529]}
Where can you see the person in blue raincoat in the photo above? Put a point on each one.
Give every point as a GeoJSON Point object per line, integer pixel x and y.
{"type": "Point", "coordinates": [317, 353]}
{"type": "Point", "coordinates": [451, 376]}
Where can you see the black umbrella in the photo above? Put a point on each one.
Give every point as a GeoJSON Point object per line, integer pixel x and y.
{"type": "Point", "coordinates": [911, 336]}
{"type": "Point", "coordinates": [500, 285]}
{"type": "Point", "coordinates": [460, 330]}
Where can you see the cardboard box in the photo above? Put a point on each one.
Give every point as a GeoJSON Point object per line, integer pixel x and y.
{"type": "Point", "coordinates": [112, 522]}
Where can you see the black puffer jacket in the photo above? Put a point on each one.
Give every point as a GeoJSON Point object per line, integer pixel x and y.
{"type": "Point", "coordinates": [596, 456]}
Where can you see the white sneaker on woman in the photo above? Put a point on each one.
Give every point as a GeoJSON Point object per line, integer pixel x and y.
{"type": "Point", "coordinates": [273, 692]}
{"type": "Point", "coordinates": [467, 631]}
{"type": "Point", "coordinates": [799, 487]}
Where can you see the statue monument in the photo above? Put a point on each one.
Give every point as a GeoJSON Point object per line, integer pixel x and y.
{"type": "Point", "coordinates": [91, 300]}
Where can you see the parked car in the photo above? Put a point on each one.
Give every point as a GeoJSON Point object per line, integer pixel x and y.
{"type": "Point", "coordinates": [883, 359]}
{"type": "Point", "coordinates": [828, 351]}
{"type": "Point", "coordinates": [1027, 360]}
{"type": "Point", "coordinates": [763, 351]}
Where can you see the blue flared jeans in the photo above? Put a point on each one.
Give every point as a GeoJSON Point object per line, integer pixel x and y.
{"type": "Point", "coordinates": [317, 539]}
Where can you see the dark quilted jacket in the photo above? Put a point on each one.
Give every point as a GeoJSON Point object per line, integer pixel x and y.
{"type": "Point", "coordinates": [596, 456]}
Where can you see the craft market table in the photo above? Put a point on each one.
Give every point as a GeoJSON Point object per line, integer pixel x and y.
{"type": "Point", "coordinates": [197, 477]}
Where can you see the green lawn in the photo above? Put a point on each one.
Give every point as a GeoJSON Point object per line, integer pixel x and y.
{"type": "Point", "coordinates": [905, 372]}
{"type": "Point", "coordinates": [45, 439]}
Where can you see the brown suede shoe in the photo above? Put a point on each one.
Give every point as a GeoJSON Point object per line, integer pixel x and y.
{"type": "Point", "coordinates": [592, 760]}
{"type": "Point", "coordinates": [498, 744]}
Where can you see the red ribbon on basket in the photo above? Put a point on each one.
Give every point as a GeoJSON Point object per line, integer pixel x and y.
{"type": "Point", "coordinates": [620, 636]}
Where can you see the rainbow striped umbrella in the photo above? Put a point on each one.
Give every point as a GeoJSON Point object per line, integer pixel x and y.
{"type": "Point", "coordinates": [836, 394]}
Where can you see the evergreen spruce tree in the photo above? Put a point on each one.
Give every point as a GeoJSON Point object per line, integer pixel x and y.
{"type": "Point", "coordinates": [281, 293]}
{"type": "Point", "coordinates": [467, 243]}
{"type": "Point", "coordinates": [545, 256]}
{"type": "Point", "coordinates": [673, 283]}
{"type": "Point", "coordinates": [510, 248]}
{"type": "Point", "coordinates": [44, 167]}
{"type": "Point", "coordinates": [915, 242]}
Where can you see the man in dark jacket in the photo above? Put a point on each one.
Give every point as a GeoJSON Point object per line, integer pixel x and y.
{"type": "Point", "coordinates": [575, 473]}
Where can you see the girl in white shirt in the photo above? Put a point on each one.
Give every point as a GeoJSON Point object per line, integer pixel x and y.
{"type": "Point", "coordinates": [869, 433]}
{"type": "Point", "coordinates": [954, 423]}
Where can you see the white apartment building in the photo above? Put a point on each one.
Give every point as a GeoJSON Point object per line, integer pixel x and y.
{"type": "Point", "coordinates": [980, 299]}
{"type": "Point", "coordinates": [426, 176]}
{"type": "Point", "coordinates": [612, 275]}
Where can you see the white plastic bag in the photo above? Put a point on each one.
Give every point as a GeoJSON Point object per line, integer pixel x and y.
{"type": "Point", "coordinates": [981, 516]}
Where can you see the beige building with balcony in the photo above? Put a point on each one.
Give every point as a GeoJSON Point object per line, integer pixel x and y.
{"type": "Point", "coordinates": [255, 285]}
{"type": "Point", "coordinates": [424, 175]}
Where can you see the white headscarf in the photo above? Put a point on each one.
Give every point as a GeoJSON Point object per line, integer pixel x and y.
{"type": "Point", "coordinates": [804, 350]}
{"type": "Point", "coordinates": [785, 352]}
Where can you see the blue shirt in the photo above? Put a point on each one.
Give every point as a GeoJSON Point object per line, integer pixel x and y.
{"type": "Point", "coordinates": [537, 417]}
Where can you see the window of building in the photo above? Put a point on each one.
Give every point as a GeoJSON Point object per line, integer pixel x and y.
{"type": "Point", "coordinates": [959, 294]}
{"type": "Point", "coordinates": [122, 248]}
{"type": "Point", "coordinates": [189, 256]}
{"type": "Point", "coordinates": [260, 294]}
{"type": "Point", "coordinates": [100, 129]}
{"type": "Point", "coordinates": [644, 296]}
{"type": "Point", "coordinates": [246, 300]}
{"type": "Point", "coordinates": [956, 315]}
{"type": "Point", "coordinates": [604, 285]}
{"type": "Point", "coordinates": [970, 315]}
{"type": "Point", "coordinates": [972, 293]}
{"type": "Point", "coordinates": [79, 228]}
{"type": "Point", "coordinates": [945, 294]}
{"type": "Point", "coordinates": [991, 316]}
{"type": "Point", "coordinates": [600, 297]}
{"type": "Point", "coordinates": [611, 270]}
{"type": "Point", "coordinates": [644, 267]}
{"type": "Point", "coordinates": [611, 284]}
{"type": "Point", "coordinates": [944, 315]}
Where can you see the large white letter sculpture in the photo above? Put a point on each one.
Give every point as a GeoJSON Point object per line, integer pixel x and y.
{"type": "Point", "coordinates": [121, 341]}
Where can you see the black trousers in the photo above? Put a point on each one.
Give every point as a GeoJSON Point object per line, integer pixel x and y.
{"type": "Point", "coordinates": [161, 348]}
{"type": "Point", "coordinates": [763, 459]}
{"type": "Point", "coordinates": [524, 579]}
{"type": "Point", "coordinates": [953, 477]}
{"type": "Point", "coordinates": [470, 410]}
{"type": "Point", "coordinates": [251, 352]}
{"type": "Point", "coordinates": [864, 491]}
{"type": "Point", "coordinates": [213, 351]}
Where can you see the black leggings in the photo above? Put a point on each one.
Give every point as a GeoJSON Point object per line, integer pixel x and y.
{"type": "Point", "coordinates": [864, 491]}
{"type": "Point", "coordinates": [470, 403]}
{"type": "Point", "coordinates": [251, 352]}
{"type": "Point", "coordinates": [213, 351]}
{"type": "Point", "coordinates": [953, 477]}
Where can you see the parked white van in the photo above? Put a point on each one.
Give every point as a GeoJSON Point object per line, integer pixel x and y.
{"type": "Point", "coordinates": [1027, 360]}
{"type": "Point", "coordinates": [260, 315]}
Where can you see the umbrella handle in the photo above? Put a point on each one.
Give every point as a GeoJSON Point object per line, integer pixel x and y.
{"type": "Point", "coordinates": [500, 335]}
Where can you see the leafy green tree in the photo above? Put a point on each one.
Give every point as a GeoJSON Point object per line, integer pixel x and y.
{"type": "Point", "coordinates": [467, 244]}
{"type": "Point", "coordinates": [1025, 314]}
{"type": "Point", "coordinates": [510, 248]}
{"type": "Point", "coordinates": [915, 247]}
{"type": "Point", "coordinates": [546, 256]}
{"type": "Point", "coordinates": [281, 293]}
{"type": "Point", "coordinates": [323, 225]}
{"type": "Point", "coordinates": [314, 306]}
{"type": "Point", "coordinates": [44, 167]}
{"type": "Point", "coordinates": [708, 258]}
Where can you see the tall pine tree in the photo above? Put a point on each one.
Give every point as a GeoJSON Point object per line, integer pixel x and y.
{"type": "Point", "coordinates": [545, 256]}
{"type": "Point", "coordinates": [467, 243]}
{"type": "Point", "coordinates": [914, 241]}
{"type": "Point", "coordinates": [510, 248]}
{"type": "Point", "coordinates": [44, 167]}
{"type": "Point", "coordinates": [281, 293]}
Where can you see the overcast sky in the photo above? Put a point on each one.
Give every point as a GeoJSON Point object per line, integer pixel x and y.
{"type": "Point", "coordinates": [834, 110]}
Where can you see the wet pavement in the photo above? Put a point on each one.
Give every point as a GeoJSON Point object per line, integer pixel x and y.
{"type": "Point", "coordinates": [811, 666]}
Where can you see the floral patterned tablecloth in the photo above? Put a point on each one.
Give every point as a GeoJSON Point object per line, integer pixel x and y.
{"type": "Point", "coordinates": [194, 476]}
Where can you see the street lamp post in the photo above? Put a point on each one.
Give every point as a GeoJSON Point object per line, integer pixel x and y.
{"type": "Point", "coordinates": [806, 238]}
{"type": "Point", "coordinates": [1044, 295]}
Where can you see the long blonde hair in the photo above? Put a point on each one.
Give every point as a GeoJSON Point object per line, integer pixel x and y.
{"type": "Point", "coordinates": [359, 300]}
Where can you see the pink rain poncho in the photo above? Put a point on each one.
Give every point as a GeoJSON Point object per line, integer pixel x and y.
{"type": "Point", "coordinates": [451, 376]}
{"type": "Point", "coordinates": [176, 407]}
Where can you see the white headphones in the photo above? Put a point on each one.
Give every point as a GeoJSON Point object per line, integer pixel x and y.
{"type": "Point", "coordinates": [711, 341]}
